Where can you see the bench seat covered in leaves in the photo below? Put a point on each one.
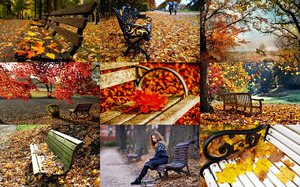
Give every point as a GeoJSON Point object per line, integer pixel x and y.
{"type": "Point", "coordinates": [179, 161]}
{"type": "Point", "coordinates": [41, 43]}
{"type": "Point", "coordinates": [281, 168]}
{"type": "Point", "coordinates": [63, 146]}
{"type": "Point", "coordinates": [175, 108]}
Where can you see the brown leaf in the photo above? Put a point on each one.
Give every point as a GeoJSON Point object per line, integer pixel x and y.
{"type": "Point", "coordinates": [276, 156]}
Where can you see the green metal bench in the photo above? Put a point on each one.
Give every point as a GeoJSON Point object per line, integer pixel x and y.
{"type": "Point", "coordinates": [63, 146]}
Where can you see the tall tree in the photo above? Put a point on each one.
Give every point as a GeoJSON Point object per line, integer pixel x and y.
{"type": "Point", "coordinates": [220, 24]}
{"type": "Point", "coordinates": [121, 136]}
{"type": "Point", "coordinates": [141, 139]}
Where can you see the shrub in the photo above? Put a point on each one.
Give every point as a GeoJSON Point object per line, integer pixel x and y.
{"type": "Point", "coordinates": [145, 7]}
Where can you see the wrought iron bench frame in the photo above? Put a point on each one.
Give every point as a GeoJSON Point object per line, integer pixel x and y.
{"type": "Point", "coordinates": [134, 34]}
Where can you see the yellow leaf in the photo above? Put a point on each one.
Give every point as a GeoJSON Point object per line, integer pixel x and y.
{"type": "Point", "coordinates": [48, 38]}
{"type": "Point", "coordinates": [31, 33]}
{"type": "Point", "coordinates": [94, 171]}
{"type": "Point", "coordinates": [61, 181]}
{"type": "Point", "coordinates": [50, 55]}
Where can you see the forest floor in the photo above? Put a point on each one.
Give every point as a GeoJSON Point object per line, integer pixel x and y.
{"type": "Point", "coordinates": [15, 156]}
{"type": "Point", "coordinates": [5, 131]}
{"type": "Point", "coordinates": [34, 111]}
{"type": "Point", "coordinates": [114, 170]}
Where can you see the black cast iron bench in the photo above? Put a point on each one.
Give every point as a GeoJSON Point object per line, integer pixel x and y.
{"type": "Point", "coordinates": [83, 108]}
{"type": "Point", "coordinates": [132, 32]}
{"type": "Point", "coordinates": [40, 43]}
{"type": "Point", "coordinates": [175, 108]}
{"type": "Point", "coordinates": [137, 155]}
{"type": "Point", "coordinates": [284, 137]}
{"type": "Point", "coordinates": [179, 161]}
{"type": "Point", "coordinates": [63, 146]}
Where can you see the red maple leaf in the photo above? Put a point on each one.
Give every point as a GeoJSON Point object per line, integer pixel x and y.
{"type": "Point", "coordinates": [147, 102]}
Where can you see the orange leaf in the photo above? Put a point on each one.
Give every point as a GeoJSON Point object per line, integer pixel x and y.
{"type": "Point", "coordinates": [30, 54]}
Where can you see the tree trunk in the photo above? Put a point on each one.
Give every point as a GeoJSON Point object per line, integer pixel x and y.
{"type": "Point", "coordinates": [182, 133]}
{"type": "Point", "coordinates": [122, 136]}
{"type": "Point", "coordinates": [205, 106]}
{"type": "Point", "coordinates": [141, 137]}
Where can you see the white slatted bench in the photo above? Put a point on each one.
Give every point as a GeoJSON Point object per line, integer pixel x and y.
{"type": "Point", "coordinates": [286, 138]}
{"type": "Point", "coordinates": [63, 146]}
{"type": "Point", "coordinates": [175, 108]}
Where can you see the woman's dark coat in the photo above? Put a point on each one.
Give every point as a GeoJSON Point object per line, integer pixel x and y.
{"type": "Point", "coordinates": [161, 157]}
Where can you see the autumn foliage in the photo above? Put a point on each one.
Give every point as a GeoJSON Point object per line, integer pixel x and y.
{"type": "Point", "coordinates": [70, 79]}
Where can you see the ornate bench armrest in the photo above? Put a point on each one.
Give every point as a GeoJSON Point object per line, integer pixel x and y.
{"type": "Point", "coordinates": [139, 83]}
{"type": "Point", "coordinates": [258, 99]}
{"type": "Point", "coordinates": [136, 30]}
{"type": "Point", "coordinates": [226, 149]}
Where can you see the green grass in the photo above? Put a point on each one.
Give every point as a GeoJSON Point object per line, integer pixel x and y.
{"type": "Point", "coordinates": [189, 11]}
{"type": "Point", "coordinates": [43, 93]}
{"type": "Point", "coordinates": [293, 97]}
{"type": "Point", "coordinates": [25, 127]}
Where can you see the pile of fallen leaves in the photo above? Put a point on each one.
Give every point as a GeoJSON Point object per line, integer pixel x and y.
{"type": "Point", "coordinates": [161, 82]}
{"type": "Point", "coordinates": [271, 114]}
{"type": "Point", "coordinates": [173, 39]}
{"type": "Point", "coordinates": [15, 158]}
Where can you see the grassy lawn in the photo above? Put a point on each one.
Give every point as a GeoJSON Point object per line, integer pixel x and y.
{"type": "Point", "coordinates": [25, 127]}
{"type": "Point", "coordinates": [43, 93]}
{"type": "Point", "coordinates": [293, 97]}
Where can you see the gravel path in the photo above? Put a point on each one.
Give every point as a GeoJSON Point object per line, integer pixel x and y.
{"type": "Point", "coordinates": [5, 131]}
{"type": "Point", "coordinates": [12, 111]}
{"type": "Point", "coordinates": [114, 171]}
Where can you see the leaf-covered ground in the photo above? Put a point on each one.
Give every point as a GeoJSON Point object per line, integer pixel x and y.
{"type": "Point", "coordinates": [173, 39]}
{"type": "Point", "coordinates": [15, 157]}
{"type": "Point", "coordinates": [271, 114]}
{"type": "Point", "coordinates": [34, 111]}
{"type": "Point", "coordinates": [160, 82]}
{"type": "Point", "coordinates": [174, 178]}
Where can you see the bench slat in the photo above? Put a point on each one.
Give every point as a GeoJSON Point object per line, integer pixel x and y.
{"type": "Point", "coordinates": [215, 168]}
{"type": "Point", "coordinates": [75, 22]}
{"type": "Point", "coordinates": [145, 118]}
{"type": "Point", "coordinates": [34, 159]}
{"type": "Point", "coordinates": [286, 138]}
{"type": "Point", "coordinates": [176, 111]}
{"type": "Point", "coordinates": [210, 181]}
{"type": "Point", "coordinates": [72, 37]}
{"type": "Point", "coordinates": [69, 138]}
{"type": "Point", "coordinates": [295, 128]}
{"type": "Point", "coordinates": [126, 118]}
{"type": "Point", "coordinates": [86, 8]}
{"type": "Point", "coordinates": [281, 164]}
{"type": "Point", "coordinates": [118, 77]}
{"type": "Point", "coordinates": [108, 115]}
{"type": "Point", "coordinates": [63, 156]}
{"type": "Point", "coordinates": [109, 65]}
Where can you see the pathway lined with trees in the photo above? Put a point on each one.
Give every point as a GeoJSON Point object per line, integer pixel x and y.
{"type": "Point", "coordinates": [114, 171]}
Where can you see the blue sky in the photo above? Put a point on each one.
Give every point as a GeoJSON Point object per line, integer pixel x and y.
{"type": "Point", "coordinates": [158, 2]}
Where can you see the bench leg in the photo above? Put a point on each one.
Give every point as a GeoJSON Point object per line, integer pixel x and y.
{"type": "Point", "coordinates": [136, 48]}
{"type": "Point", "coordinates": [159, 174]}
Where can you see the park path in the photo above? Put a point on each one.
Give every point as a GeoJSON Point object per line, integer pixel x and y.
{"type": "Point", "coordinates": [114, 171]}
{"type": "Point", "coordinates": [5, 131]}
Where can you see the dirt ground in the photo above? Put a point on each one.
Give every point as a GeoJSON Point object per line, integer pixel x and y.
{"type": "Point", "coordinates": [113, 170]}
{"type": "Point", "coordinates": [17, 111]}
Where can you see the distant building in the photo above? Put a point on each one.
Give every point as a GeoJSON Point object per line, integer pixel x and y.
{"type": "Point", "coordinates": [108, 133]}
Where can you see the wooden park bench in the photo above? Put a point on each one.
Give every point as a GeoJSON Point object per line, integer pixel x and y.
{"type": "Point", "coordinates": [63, 146]}
{"type": "Point", "coordinates": [179, 161]}
{"type": "Point", "coordinates": [132, 32]}
{"type": "Point", "coordinates": [137, 155]}
{"type": "Point", "coordinates": [40, 44]}
{"type": "Point", "coordinates": [285, 138]}
{"type": "Point", "coordinates": [83, 108]}
{"type": "Point", "coordinates": [236, 100]}
{"type": "Point", "coordinates": [175, 108]}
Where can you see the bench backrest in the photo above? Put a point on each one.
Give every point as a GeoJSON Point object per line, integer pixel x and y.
{"type": "Point", "coordinates": [83, 107]}
{"type": "Point", "coordinates": [63, 146]}
{"type": "Point", "coordinates": [181, 152]}
{"type": "Point", "coordinates": [287, 139]}
{"type": "Point", "coordinates": [118, 77]}
{"type": "Point", "coordinates": [78, 20]}
{"type": "Point", "coordinates": [238, 98]}
{"type": "Point", "coordinates": [139, 151]}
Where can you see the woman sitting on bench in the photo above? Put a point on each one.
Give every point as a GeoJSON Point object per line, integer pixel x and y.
{"type": "Point", "coordinates": [161, 156]}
